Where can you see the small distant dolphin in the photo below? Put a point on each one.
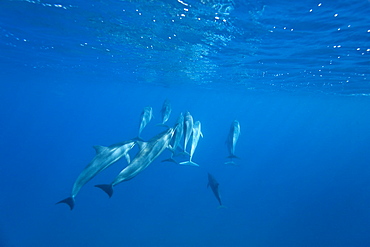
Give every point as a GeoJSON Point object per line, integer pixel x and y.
{"type": "Point", "coordinates": [105, 156]}
{"type": "Point", "coordinates": [179, 132]}
{"type": "Point", "coordinates": [232, 139]}
{"type": "Point", "coordinates": [188, 129]}
{"type": "Point", "coordinates": [145, 117]}
{"type": "Point", "coordinates": [214, 186]}
{"type": "Point", "coordinates": [148, 152]}
{"type": "Point", "coordinates": [166, 112]}
{"type": "Point", "coordinates": [197, 133]}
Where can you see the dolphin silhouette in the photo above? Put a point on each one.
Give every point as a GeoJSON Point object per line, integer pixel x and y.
{"type": "Point", "coordinates": [105, 157]}
{"type": "Point", "coordinates": [212, 182]}
{"type": "Point", "coordinates": [188, 128]}
{"type": "Point", "coordinates": [145, 117]}
{"type": "Point", "coordinates": [197, 133]}
{"type": "Point", "coordinates": [166, 112]}
{"type": "Point", "coordinates": [232, 140]}
{"type": "Point", "coordinates": [175, 142]}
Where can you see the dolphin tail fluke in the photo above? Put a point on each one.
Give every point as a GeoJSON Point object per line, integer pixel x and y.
{"type": "Point", "coordinates": [70, 201]}
{"type": "Point", "coordinates": [233, 156]}
{"type": "Point", "coordinates": [107, 188]}
{"type": "Point", "coordinates": [221, 207]}
{"type": "Point", "coordinates": [230, 163]}
{"type": "Point", "coordinates": [189, 163]}
{"type": "Point", "coordinates": [170, 160]}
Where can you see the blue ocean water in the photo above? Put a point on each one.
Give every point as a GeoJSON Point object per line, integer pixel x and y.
{"type": "Point", "coordinates": [294, 74]}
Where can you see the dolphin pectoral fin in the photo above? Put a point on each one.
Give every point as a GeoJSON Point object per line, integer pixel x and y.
{"type": "Point", "coordinates": [170, 160]}
{"type": "Point", "coordinates": [127, 156]}
{"type": "Point", "coordinates": [70, 201]}
{"type": "Point", "coordinates": [233, 156]}
{"type": "Point", "coordinates": [230, 163]}
{"type": "Point", "coordinates": [188, 163]}
{"type": "Point", "coordinates": [107, 188]}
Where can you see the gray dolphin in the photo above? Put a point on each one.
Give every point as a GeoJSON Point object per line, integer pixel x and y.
{"type": "Point", "coordinates": [179, 132]}
{"type": "Point", "coordinates": [166, 112]}
{"type": "Point", "coordinates": [148, 152]}
{"type": "Point", "coordinates": [197, 133]}
{"type": "Point", "coordinates": [145, 117]}
{"type": "Point", "coordinates": [188, 129]}
{"type": "Point", "coordinates": [105, 156]}
{"type": "Point", "coordinates": [232, 140]}
{"type": "Point", "coordinates": [212, 182]}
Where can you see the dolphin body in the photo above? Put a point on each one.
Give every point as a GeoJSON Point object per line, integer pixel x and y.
{"type": "Point", "coordinates": [232, 139]}
{"type": "Point", "coordinates": [179, 132]}
{"type": "Point", "coordinates": [105, 157]}
{"type": "Point", "coordinates": [145, 117]}
{"type": "Point", "coordinates": [188, 129]}
{"type": "Point", "coordinates": [197, 133]}
{"type": "Point", "coordinates": [166, 112]}
{"type": "Point", "coordinates": [148, 152]}
{"type": "Point", "coordinates": [214, 186]}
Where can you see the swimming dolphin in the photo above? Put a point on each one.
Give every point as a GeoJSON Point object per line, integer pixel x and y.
{"type": "Point", "coordinates": [179, 132]}
{"type": "Point", "coordinates": [148, 152]}
{"type": "Point", "coordinates": [145, 117]}
{"type": "Point", "coordinates": [166, 112]}
{"type": "Point", "coordinates": [232, 139]}
{"type": "Point", "coordinates": [188, 128]}
{"type": "Point", "coordinates": [105, 156]}
{"type": "Point", "coordinates": [197, 133]}
{"type": "Point", "coordinates": [214, 186]}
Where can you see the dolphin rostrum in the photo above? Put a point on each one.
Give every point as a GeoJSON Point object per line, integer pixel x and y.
{"type": "Point", "coordinates": [145, 117]}
{"type": "Point", "coordinates": [179, 132]}
{"type": "Point", "coordinates": [197, 133]}
{"type": "Point", "coordinates": [166, 112]}
{"type": "Point", "coordinates": [105, 156]}
{"type": "Point", "coordinates": [232, 139]}
{"type": "Point", "coordinates": [148, 152]}
{"type": "Point", "coordinates": [188, 128]}
{"type": "Point", "coordinates": [214, 186]}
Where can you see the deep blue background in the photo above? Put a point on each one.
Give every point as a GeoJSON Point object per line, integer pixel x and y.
{"type": "Point", "coordinates": [303, 174]}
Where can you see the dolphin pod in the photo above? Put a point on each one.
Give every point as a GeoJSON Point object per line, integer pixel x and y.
{"type": "Point", "coordinates": [149, 151]}
{"type": "Point", "coordinates": [184, 129]}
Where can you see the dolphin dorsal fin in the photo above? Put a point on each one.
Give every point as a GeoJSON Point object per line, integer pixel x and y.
{"type": "Point", "coordinates": [141, 144]}
{"type": "Point", "coordinates": [99, 149]}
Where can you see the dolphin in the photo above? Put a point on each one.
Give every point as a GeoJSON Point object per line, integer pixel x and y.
{"type": "Point", "coordinates": [148, 152]}
{"type": "Point", "coordinates": [179, 132]}
{"type": "Point", "coordinates": [232, 139]}
{"type": "Point", "coordinates": [145, 117]}
{"type": "Point", "coordinates": [166, 112]}
{"type": "Point", "coordinates": [214, 186]}
{"type": "Point", "coordinates": [105, 156]}
{"type": "Point", "coordinates": [188, 128]}
{"type": "Point", "coordinates": [197, 133]}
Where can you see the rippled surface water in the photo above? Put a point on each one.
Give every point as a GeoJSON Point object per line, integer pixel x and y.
{"type": "Point", "coordinates": [309, 46]}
